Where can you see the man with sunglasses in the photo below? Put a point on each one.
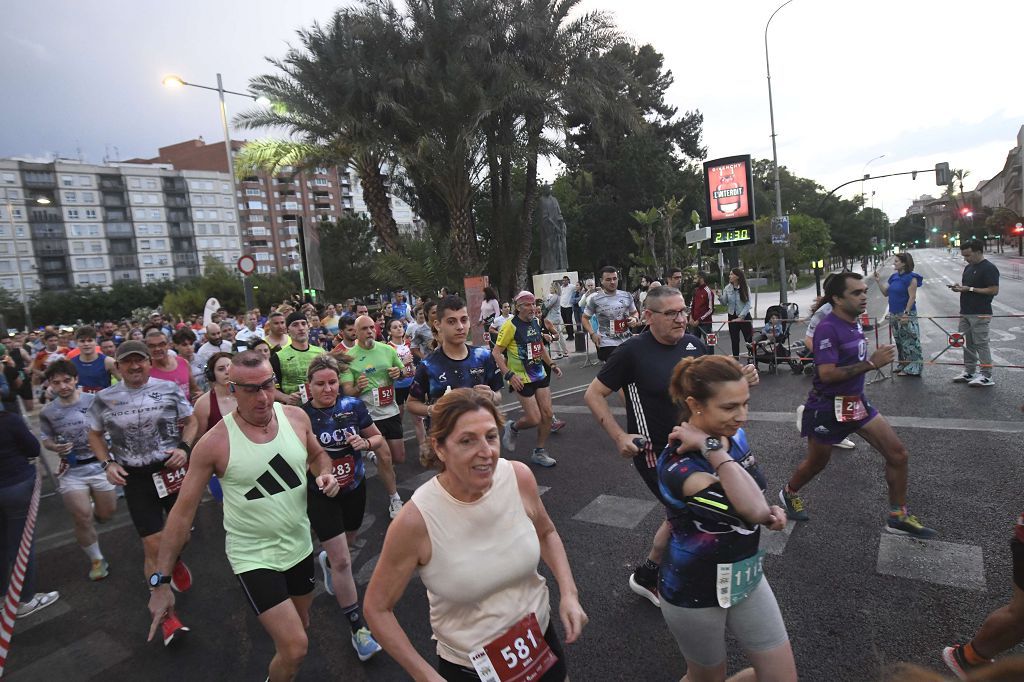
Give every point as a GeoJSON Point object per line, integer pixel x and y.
{"type": "Point", "coordinates": [151, 429]}
{"type": "Point", "coordinates": [642, 366]}
{"type": "Point", "coordinates": [260, 452]}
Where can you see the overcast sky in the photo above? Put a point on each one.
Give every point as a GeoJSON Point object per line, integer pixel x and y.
{"type": "Point", "coordinates": [919, 81]}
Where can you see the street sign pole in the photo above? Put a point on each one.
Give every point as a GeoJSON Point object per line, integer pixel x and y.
{"type": "Point", "coordinates": [247, 266]}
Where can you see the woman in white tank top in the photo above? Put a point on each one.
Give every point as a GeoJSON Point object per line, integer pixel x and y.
{"type": "Point", "coordinates": [475, 532]}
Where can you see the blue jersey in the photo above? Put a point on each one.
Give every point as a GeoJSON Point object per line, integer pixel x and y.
{"type": "Point", "coordinates": [93, 376]}
{"type": "Point", "coordinates": [331, 425]}
{"type": "Point", "coordinates": [700, 541]}
{"type": "Point", "coordinates": [438, 372]}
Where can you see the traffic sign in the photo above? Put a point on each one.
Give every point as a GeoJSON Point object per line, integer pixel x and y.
{"type": "Point", "coordinates": [956, 340]}
{"type": "Point", "coordinates": [712, 339]}
{"type": "Point", "coordinates": [247, 265]}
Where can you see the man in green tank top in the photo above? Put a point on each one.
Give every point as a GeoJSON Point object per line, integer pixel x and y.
{"type": "Point", "coordinates": [260, 453]}
{"type": "Point", "coordinates": [290, 363]}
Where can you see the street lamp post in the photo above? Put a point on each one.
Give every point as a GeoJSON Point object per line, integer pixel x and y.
{"type": "Point", "coordinates": [177, 81]}
{"type": "Point", "coordinates": [17, 260]}
{"type": "Point", "coordinates": [783, 299]}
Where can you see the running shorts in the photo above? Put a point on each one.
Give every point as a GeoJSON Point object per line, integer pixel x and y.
{"type": "Point", "coordinates": [531, 388]}
{"type": "Point", "coordinates": [265, 588]}
{"type": "Point", "coordinates": [145, 506]}
{"type": "Point", "coordinates": [329, 517]}
{"type": "Point", "coordinates": [391, 428]}
{"type": "Point", "coordinates": [823, 426]}
{"type": "Point", "coordinates": [88, 476]}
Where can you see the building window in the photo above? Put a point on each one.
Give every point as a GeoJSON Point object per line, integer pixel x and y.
{"type": "Point", "coordinates": [153, 198]}
{"type": "Point", "coordinates": [134, 183]}
{"type": "Point", "coordinates": [253, 192]}
{"type": "Point", "coordinates": [150, 183]}
{"type": "Point", "coordinates": [73, 214]}
{"type": "Point", "coordinates": [90, 214]}
{"type": "Point", "coordinates": [322, 182]}
{"type": "Point", "coordinates": [88, 197]}
{"type": "Point", "coordinates": [160, 244]}
{"type": "Point", "coordinates": [70, 197]}
{"type": "Point", "coordinates": [154, 213]}
{"type": "Point", "coordinates": [96, 247]}
{"type": "Point", "coordinates": [8, 178]}
{"type": "Point", "coordinates": [84, 181]}
{"type": "Point", "coordinates": [67, 180]}
{"type": "Point", "coordinates": [225, 187]}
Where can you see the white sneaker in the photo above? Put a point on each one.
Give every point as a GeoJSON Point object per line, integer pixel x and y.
{"type": "Point", "coordinates": [846, 444]}
{"type": "Point", "coordinates": [541, 457]}
{"type": "Point", "coordinates": [981, 380]}
{"type": "Point", "coordinates": [38, 602]}
{"type": "Point", "coordinates": [964, 378]}
{"type": "Point", "coordinates": [509, 437]}
{"type": "Point", "coordinates": [328, 579]}
{"type": "Point", "coordinates": [800, 418]}
{"type": "Point", "coordinates": [395, 506]}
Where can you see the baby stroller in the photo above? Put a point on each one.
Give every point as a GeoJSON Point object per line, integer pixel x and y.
{"type": "Point", "coordinates": [772, 351]}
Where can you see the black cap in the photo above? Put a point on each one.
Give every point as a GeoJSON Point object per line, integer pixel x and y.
{"type": "Point", "coordinates": [131, 348]}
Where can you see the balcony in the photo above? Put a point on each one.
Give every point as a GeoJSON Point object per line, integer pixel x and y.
{"type": "Point", "coordinates": [39, 179]}
{"type": "Point", "coordinates": [122, 247]}
{"type": "Point", "coordinates": [181, 230]}
{"type": "Point", "coordinates": [112, 200]}
{"type": "Point", "coordinates": [53, 265]}
{"type": "Point", "coordinates": [178, 216]}
{"type": "Point", "coordinates": [56, 282]}
{"type": "Point", "coordinates": [112, 182]}
{"type": "Point", "coordinates": [116, 215]}
{"type": "Point", "coordinates": [175, 201]}
{"type": "Point", "coordinates": [126, 274]}
{"type": "Point", "coordinates": [119, 230]}
{"type": "Point", "coordinates": [183, 244]}
{"type": "Point", "coordinates": [124, 261]}
{"type": "Point", "coordinates": [50, 247]}
{"type": "Point", "coordinates": [174, 184]}
{"type": "Point", "coordinates": [45, 215]}
{"type": "Point", "coordinates": [47, 230]}
{"type": "Point", "coordinates": [186, 259]}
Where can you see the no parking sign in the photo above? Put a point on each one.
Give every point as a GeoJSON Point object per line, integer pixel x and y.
{"type": "Point", "coordinates": [712, 339]}
{"type": "Point", "coordinates": [956, 340]}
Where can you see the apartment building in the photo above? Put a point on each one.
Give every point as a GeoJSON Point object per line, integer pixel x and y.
{"type": "Point", "coordinates": [67, 223]}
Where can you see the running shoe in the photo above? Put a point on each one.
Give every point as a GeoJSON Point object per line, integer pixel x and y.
{"type": "Point", "coordinates": [956, 660]}
{"type": "Point", "coordinates": [365, 645]}
{"type": "Point", "coordinates": [794, 504]}
{"type": "Point", "coordinates": [907, 524]}
{"type": "Point", "coordinates": [800, 418]}
{"type": "Point", "coordinates": [370, 456]}
{"type": "Point", "coordinates": [557, 424]}
{"type": "Point", "coordinates": [981, 380]}
{"type": "Point", "coordinates": [38, 602]}
{"type": "Point", "coordinates": [845, 444]}
{"type": "Point", "coordinates": [172, 629]}
{"type": "Point", "coordinates": [509, 436]}
{"type": "Point", "coordinates": [540, 457]}
{"type": "Point", "coordinates": [326, 568]}
{"type": "Point", "coordinates": [650, 593]}
{"type": "Point", "coordinates": [181, 577]}
{"type": "Point", "coordinates": [963, 378]}
{"type": "Point", "coordinates": [100, 570]}
{"type": "Point", "coordinates": [394, 507]}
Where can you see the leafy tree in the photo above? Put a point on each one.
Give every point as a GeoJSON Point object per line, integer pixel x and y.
{"type": "Point", "coordinates": [349, 254]}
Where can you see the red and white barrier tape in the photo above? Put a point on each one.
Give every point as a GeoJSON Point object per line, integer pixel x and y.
{"type": "Point", "coordinates": [13, 597]}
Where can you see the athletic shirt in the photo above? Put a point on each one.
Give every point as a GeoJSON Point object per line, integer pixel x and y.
{"type": "Point", "coordinates": [374, 364]}
{"type": "Point", "coordinates": [403, 353]}
{"type": "Point", "coordinates": [820, 314]}
{"type": "Point", "coordinates": [609, 308]}
{"type": "Point", "coordinates": [93, 376]}
{"type": "Point", "coordinates": [179, 375]}
{"type": "Point", "coordinates": [438, 373]}
{"type": "Point", "coordinates": [143, 423]}
{"type": "Point", "coordinates": [331, 425]}
{"type": "Point", "coordinates": [643, 367]}
{"type": "Point", "coordinates": [840, 343]}
{"type": "Point", "coordinates": [699, 543]}
{"type": "Point", "coordinates": [482, 575]}
{"type": "Point", "coordinates": [524, 346]}
{"type": "Point", "coordinates": [215, 415]}
{"type": "Point", "coordinates": [58, 419]}
{"type": "Point", "coordinates": [264, 486]}
{"type": "Point", "coordinates": [290, 365]}
{"type": "Point", "coordinates": [899, 291]}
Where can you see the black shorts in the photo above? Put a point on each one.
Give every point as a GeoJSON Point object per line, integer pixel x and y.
{"type": "Point", "coordinates": [453, 672]}
{"type": "Point", "coordinates": [145, 506]}
{"type": "Point", "coordinates": [1017, 549]}
{"type": "Point", "coordinates": [401, 395]}
{"type": "Point", "coordinates": [391, 428]}
{"type": "Point", "coordinates": [822, 425]}
{"type": "Point", "coordinates": [531, 388]}
{"type": "Point", "coordinates": [265, 588]}
{"type": "Point", "coordinates": [329, 517]}
{"type": "Point", "coordinates": [605, 352]}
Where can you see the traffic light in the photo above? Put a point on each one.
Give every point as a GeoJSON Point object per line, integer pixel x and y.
{"type": "Point", "coordinates": [934, 230]}
{"type": "Point", "coordinates": [1018, 228]}
{"type": "Point", "coordinates": [965, 211]}
{"type": "Point", "coordinates": [942, 175]}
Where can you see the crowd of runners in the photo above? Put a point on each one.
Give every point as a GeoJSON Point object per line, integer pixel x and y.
{"type": "Point", "coordinates": [277, 417]}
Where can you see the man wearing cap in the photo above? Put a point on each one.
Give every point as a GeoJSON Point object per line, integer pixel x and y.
{"type": "Point", "coordinates": [291, 362]}
{"type": "Point", "coordinates": [151, 430]}
{"type": "Point", "coordinates": [524, 371]}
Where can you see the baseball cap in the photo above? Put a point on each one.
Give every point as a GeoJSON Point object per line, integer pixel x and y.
{"type": "Point", "coordinates": [524, 296]}
{"type": "Point", "coordinates": [131, 348]}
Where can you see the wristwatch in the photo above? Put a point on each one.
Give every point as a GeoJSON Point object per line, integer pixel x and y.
{"type": "Point", "coordinates": [105, 463]}
{"type": "Point", "coordinates": [509, 375]}
{"type": "Point", "coordinates": [710, 444]}
{"type": "Point", "coordinates": [158, 579]}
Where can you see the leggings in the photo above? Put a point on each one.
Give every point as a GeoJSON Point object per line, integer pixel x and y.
{"type": "Point", "coordinates": [735, 328]}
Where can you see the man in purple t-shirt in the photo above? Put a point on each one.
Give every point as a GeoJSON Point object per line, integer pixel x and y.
{"type": "Point", "coordinates": [836, 406]}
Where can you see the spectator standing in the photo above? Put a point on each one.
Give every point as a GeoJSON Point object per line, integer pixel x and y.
{"type": "Point", "coordinates": [979, 285]}
{"type": "Point", "coordinates": [901, 290]}
{"type": "Point", "coordinates": [566, 296]}
{"type": "Point", "coordinates": [736, 297]}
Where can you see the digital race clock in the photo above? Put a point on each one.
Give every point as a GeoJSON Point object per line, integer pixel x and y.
{"type": "Point", "coordinates": [724, 237]}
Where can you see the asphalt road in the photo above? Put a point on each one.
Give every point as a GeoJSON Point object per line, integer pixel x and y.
{"type": "Point", "coordinates": [854, 601]}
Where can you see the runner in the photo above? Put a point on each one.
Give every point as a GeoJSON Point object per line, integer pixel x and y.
{"type": "Point", "coordinates": [397, 340]}
{"type": "Point", "coordinates": [276, 334]}
{"type": "Point", "coordinates": [524, 371]}
{"type": "Point", "coordinates": [712, 580]}
{"type": "Point", "coordinates": [616, 313]}
{"type": "Point", "coordinates": [51, 351]}
{"type": "Point", "coordinates": [346, 339]}
{"type": "Point", "coordinates": [260, 452]}
{"type": "Point", "coordinates": [455, 364]}
{"type": "Point", "coordinates": [422, 343]}
{"type": "Point", "coordinates": [290, 363]}
{"type": "Point", "coordinates": [371, 376]}
{"type": "Point", "coordinates": [84, 487]}
{"type": "Point", "coordinates": [475, 534]}
{"type": "Point", "coordinates": [642, 367]}
{"type": "Point", "coordinates": [151, 428]}
{"type": "Point", "coordinates": [94, 368]}
{"type": "Point", "coordinates": [345, 430]}
{"type": "Point", "coordinates": [165, 365]}
{"type": "Point", "coordinates": [837, 407]}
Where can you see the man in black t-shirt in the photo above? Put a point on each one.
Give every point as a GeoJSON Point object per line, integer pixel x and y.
{"type": "Point", "coordinates": [642, 367]}
{"type": "Point", "coordinates": [980, 284]}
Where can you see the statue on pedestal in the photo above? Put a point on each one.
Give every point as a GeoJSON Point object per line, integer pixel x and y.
{"type": "Point", "coordinates": [553, 257]}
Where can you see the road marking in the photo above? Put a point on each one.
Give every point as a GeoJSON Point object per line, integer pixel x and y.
{"type": "Point", "coordinates": [47, 614]}
{"type": "Point", "coordinates": [615, 511]}
{"type": "Point", "coordinates": [906, 422]}
{"type": "Point", "coordinates": [774, 542]}
{"type": "Point", "coordinates": [933, 561]}
{"type": "Point", "coordinates": [85, 659]}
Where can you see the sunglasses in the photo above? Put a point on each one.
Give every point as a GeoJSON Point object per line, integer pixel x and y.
{"type": "Point", "coordinates": [253, 389]}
